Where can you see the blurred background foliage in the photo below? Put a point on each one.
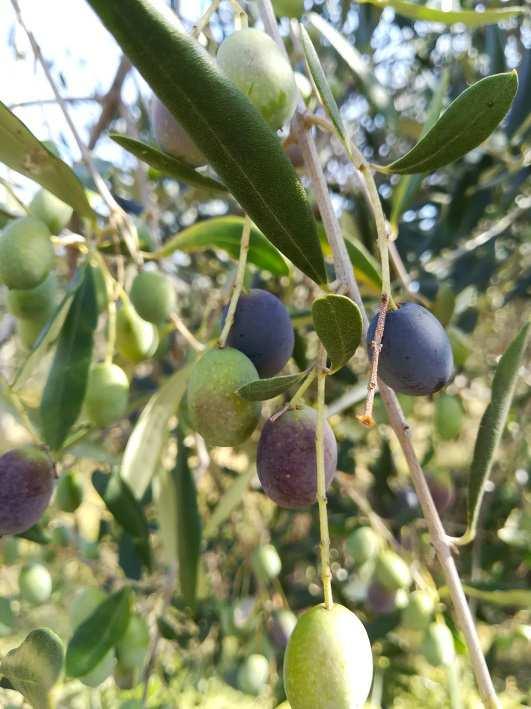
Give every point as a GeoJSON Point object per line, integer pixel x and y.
{"type": "Point", "coordinates": [464, 237]}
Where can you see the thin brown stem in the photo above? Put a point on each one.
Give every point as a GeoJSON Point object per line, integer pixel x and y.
{"type": "Point", "coordinates": [238, 281]}
{"type": "Point", "coordinates": [376, 345]}
{"type": "Point", "coordinates": [326, 574]}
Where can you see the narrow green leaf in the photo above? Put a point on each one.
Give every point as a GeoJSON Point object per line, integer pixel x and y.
{"type": "Point", "coordinates": [48, 335]}
{"type": "Point", "coordinates": [166, 164]}
{"type": "Point", "coordinates": [492, 425]}
{"type": "Point", "coordinates": [35, 666]}
{"type": "Point", "coordinates": [500, 597]}
{"type": "Point", "coordinates": [337, 321]}
{"type": "Point", "coordinates": [263, 389]}
{"type": "Point", "coordinates": [65, 387]}
{"type": "Point", "coordinates": [36, 534]}
{"type": "Point", "coordinates": [470, 18]}
{"type": "Point", "coordinates": [244, 151]}
{"type": "Point", "coordinates": [144, 447]}
{"type": "Point", "coordinates": [21, 151]}
{"type": "Point", "coordinates": [321, 84]}
{"type": "Point", "coordinates": [465, 124]}
{"type": "Point", "coordinates": [230, 499]}
{"type": "Point", "coordinates": [409, 184]}
{"type": "Point", "coordinates": [374, 91]}
{"type": "Point", "coordinates": [226, 233]}
{"type": "Point", "coordinates": [100, 632]}
{"type": "Point", "coordinates": [125, 509]}
{"type": "Point", "coordinates": [188, 524]}
{"type": "Point", "coordinates": [365, 265]}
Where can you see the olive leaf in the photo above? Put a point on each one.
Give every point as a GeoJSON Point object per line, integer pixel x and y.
{"type": "Point", "coordinates": [188, 524]}
{"type": "Point", "coordinates": [321, 84]}
{"type": "Point", "coordinates": [465, 124]}
{"type": "Point", "coordinates": [499, 596]}
{"type": "Point", "coordinates": [228, 502]}
{"type": "Point", "coordinates": [226, 233]}
{"type": "Point", "coordinates": [492, 425]}
{"type": "Point", "coordinates": [263, 389]}
{"type": "Point", "coordinates": [365, 265]}
{"type": "Point", "coordinates": [125, 509]}
{"type": "Point", "coordinates": [94, 638]}
{"type": "Point", "coordinates": [337, 321]}
{"type": "Point", "coordinates": [36, 534]}
{"type": "Point", "coordinates": [470, 18]}
{"type": "Point", "coordinates": [409, 184]}
{"type": "Point", "coordinates": [35, 666]}
{"type": "Point", "coordinates": [166, 164]}
{"type": "Point", "coordinates": [244, 151]}
{"type": "Point", "coordinates": [65, 386]}
{"type": "Point", "coordinates": [23, 152]}
{"type": "Point", "coordinates": [144, 447]}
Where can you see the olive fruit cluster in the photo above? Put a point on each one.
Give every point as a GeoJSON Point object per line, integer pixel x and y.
{"type": "Point", "coordinates": [257, 67]}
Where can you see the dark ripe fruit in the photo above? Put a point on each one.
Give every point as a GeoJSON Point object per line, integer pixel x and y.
{"type": "Point", "coordinates": [35, 583]}
{"type": "Point", "coordinates": [416, 356]}
{"type": "Point", "coordinates": [136, 339]}
{"type": "Point", "coordinates": [51, 210]}
{"type": "Point", "coordinates": [448, 416]}
{"type": "Point", "coordinates": [26, 253]}
{"type": "Point", "coordinates": [280, 627]}
{"type": "Point", "coordinates": [253, 674]}
{"type": "Point", "coordinates": [392, 571]}
{"type": "Point", "coordinates": [286, 460]}
{"type": "Point", "coordinates": [107, 394]}
{"type": "Point", "coordinates": [380, 600]}
{"type": "Point", "coordinates": [69, 492]}
{"type": "Point", "coordinates": [216, 410]}
{"type": "Point", "coordinates": [252, 61]}
{"type": "Point", "coordinates": [26, 484]}
{"type": "Point", "coordinates": [363, 544]}
{"type": "Point", "coordinates": [172, 137]}
{"type": "Point", "coordinates": [438, 645]}
{"type": "Point", "coordinates": [417, 614]}
{"type": "Point", "coordinates": [153, 296]}
{"type": "Point", "coordinates": [266, 563]}
{"type": "Point", "coordinates": [33, 303]}
{"type": "Point", "coordinates": [262, 330]}
{"type": "Point", "coordinates": [442, 489]}
{"type": "Point", "coordinates": [328, 661]}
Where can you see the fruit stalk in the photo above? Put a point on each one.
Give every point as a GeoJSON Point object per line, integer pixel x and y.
{"type": "Point", "coordinates": [326, 575]}
{"type": "Point", "coordinates": [394, 411]}
{"type": "Point", "coordinates": [185, 332]}
{"type": "Point", "coordinates": [238, 281]}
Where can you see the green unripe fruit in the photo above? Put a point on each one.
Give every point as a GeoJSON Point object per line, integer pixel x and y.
{"type": "Point", "coordinates": [328, 661]}
{"type": "Point", "coordinates": [136, 339]}
{"type": "Point", "coordinates": [69, 492]}
{"type": "Point", "coordinates": [266, 563]}
{"type": "Point", "coordinates": [26, 253]}
{"type": "Point", "coordinates": [153, 296]}
{"type": "Point", "coordinates": [288, 8]}
{"type": "Point", "coordinates": [216, 411]}
{"type": "Point", "coordinates": [392, 571]}
{"type": "Point", "coordinates": [438, 645]}
{"type": "Point", "coordinates": [448, 416]}
{"type": "Point", "coordinates": [363, 544]}
{"type": "Point", "coordinates": [107, 394]}
{"type": "Point", "coordinates": [253, 674]}
{"type": "Point", "coordinates": [417, 614]}
{"type": "Point", "coordinates": [50, 210]}
{"type": "Point", "coordinates": [35, 583]}
{"type": "Point", "coordinates": [172, 137]}
{"type": "Point", "coordinates": [252, 60]}
{"type": "Point", "coordinates": [132, 649]}
{"type": "Point", "coordinates": [33, 303]}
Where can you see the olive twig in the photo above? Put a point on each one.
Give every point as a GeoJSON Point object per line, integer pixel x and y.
{"type": "Point", "coordinates": [376, 345]}
{"type": "Point", "coordinates": [185, 332]}
{"type": "Point", "coordinates": [326, 575]}
{"type": "Point", "coordinates": [238, 281]}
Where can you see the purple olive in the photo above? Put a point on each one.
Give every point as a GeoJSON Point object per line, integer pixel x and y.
{"type": "Point", "coordinates": [286, 460]}
{"type": "Point", "coordinates": [27, 477]}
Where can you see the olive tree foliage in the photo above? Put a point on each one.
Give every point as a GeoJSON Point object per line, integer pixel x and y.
{"type": "Point", "coordinates": [201, 453]}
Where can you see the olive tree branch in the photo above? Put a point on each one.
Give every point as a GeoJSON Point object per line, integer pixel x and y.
{"type": "Point", "coordinates": [396, 417]}
{"type": "Point", "coordinates": [117, 216]}
{"type": "Point", "coordinates": [326, 575]}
